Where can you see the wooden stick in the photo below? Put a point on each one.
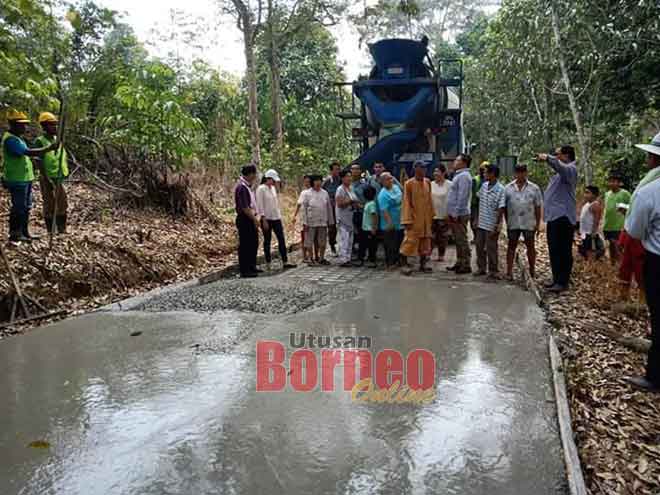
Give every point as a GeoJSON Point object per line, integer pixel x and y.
{"type": "Point", "coordinates": [35, 318]}
{"type": "Point", "coordinates": [14, 282]}
{"type": "Point", "coordinates": [36, 303]}
{"type": "Point", "coordinates": [14, 305]}
{"type": "Point", "coordinates": [571, 458]}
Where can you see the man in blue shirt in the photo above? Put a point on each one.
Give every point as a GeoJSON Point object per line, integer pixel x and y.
{"type": "Point", "coordinates": [643, 223]}
{"type": "Point", "coordinates": [458, 213]}
{"type": "Point", "coordinates": [560, 215]}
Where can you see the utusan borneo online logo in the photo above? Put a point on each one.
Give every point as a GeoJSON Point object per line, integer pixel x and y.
{"type": "Point", "coordinates": [387, 376]}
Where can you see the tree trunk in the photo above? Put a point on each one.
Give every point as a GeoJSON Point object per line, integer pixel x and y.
{"type": "Point", "coordinates": [275, 86]}
{"type": "Point", "coordinates": [583, 143]}
{"type": "Point", "coordinates": [251, 75]}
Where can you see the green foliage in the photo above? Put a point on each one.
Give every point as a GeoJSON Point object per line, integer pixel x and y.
{"type": "Point", "coordinates": [150, 117]}
{"type": "Point", "coordinates": [139, 110]}
{"type": "Point", "coordinates": [314, 136]}
{"type": "Point", "coordinates": [29, 37]}
{"type": "Point", "coordinates": [516, 101]}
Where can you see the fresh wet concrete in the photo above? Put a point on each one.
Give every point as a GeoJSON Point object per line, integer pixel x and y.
{"type": "Point", "coordinates": [174, 409]}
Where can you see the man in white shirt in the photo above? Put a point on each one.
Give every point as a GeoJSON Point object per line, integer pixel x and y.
{"type": "Point", "coordinates": [268, 208]}
{"type": "Point", "coordinates": [643, 223]}
{"type": "Point", "coordinates": [522, 209]}
{"type": "Point", "coordinates": [317, 215]}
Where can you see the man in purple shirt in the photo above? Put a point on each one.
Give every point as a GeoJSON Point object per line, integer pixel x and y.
{"type": "Point", "coordinates": [247, 222]}
{"type": "Point", "coordinates": [560, 215]}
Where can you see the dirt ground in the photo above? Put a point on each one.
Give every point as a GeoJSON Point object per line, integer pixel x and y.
{"type": "Point", "coordinates": [113, 251]}
{"type": "Point", "coordinates": [617, 428]}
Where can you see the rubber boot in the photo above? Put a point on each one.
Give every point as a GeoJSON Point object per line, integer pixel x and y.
{"type": "Point", "coordinates": [25, 227]}
{"type": "Point", "coordinates": [60, 220]}
{"type": "Point", "coordinates": [48, 222]}
{"type": "Point", "coordinates": [14, 227]}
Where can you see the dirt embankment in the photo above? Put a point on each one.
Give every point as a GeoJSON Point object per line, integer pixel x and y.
{"type": "Point", "coordinates": [113, 250]}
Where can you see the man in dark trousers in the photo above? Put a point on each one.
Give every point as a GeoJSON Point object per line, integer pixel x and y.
{"type": "Point", "coordinates": [560, 215]}
{"type": "Point", "coordinates": [247, 222]}
{"type": "Point", "coordinates": [643, 224]}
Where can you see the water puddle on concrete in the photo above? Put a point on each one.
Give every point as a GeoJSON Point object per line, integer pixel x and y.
{"type": "Point", "coordinates": [163, 412]}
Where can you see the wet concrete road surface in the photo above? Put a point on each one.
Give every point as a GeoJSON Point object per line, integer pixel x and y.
{"type": "Point", "coordinates": [175, 410]}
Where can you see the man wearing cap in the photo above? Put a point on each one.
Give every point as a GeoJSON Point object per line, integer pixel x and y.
{"type": "Point", "coordinates": [417, 219]}
{"type": "Point", "coordinates": [522, 210]}
{"type": "Point", "coordinates": [268, 209]}
{"type": "Point", "coordinates": [18, 174]}
{"type": "Point", "coordinates": [643, 224]}
{"type": "Point", "coordinates": [54, 169]}
{"type": "Point", "coordinates": [560, 215]}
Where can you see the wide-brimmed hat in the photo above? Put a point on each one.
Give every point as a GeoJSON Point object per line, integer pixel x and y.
{"type": "Point", "coordinates": [653, 148]}
{"type": "Point", "coordinates": [272, 174]}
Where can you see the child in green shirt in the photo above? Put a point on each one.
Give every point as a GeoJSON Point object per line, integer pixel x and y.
{"type": "Point", "coordinates": [617, 200]}
{"type": "Point", "coordinates": [370, 226]}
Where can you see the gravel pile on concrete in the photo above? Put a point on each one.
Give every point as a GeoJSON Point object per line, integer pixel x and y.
{"type": "Point", "coordinates": [268, 295]}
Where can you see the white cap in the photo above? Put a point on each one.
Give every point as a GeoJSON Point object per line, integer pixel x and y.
{"type": "Point", "coordinates": [272, 174]}
{"type": "Point", "coordinates": [653, 148]}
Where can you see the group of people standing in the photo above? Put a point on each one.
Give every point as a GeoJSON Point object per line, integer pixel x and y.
{"type": "Point", "coordinates": [18, 174]}
{"type": "Point", "coordinates": [348, 209]}
{"type": "Point", "coordinates": [355, 213]}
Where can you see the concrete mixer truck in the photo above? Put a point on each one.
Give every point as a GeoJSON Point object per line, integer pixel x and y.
{"type": "Point", "coordinates": [408, 108]}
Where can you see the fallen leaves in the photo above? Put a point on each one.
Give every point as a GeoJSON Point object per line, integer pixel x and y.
{"type": "Point", "coordinates": [114, 251]}
{"type": "Point", "coordinates": [617, 428]}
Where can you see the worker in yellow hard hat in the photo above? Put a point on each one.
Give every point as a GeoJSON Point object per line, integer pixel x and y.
{"type": "Point", "coordinates": [18, 174]}
{"type": "Point", "coordinates": [54, 170]}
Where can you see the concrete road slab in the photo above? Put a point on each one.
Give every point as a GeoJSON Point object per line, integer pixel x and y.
{"type": "Point", "coordinates": [175, 408]}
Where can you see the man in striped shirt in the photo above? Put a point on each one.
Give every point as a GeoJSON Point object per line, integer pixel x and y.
{"type": "Point", "coordinates": [491, 200]}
